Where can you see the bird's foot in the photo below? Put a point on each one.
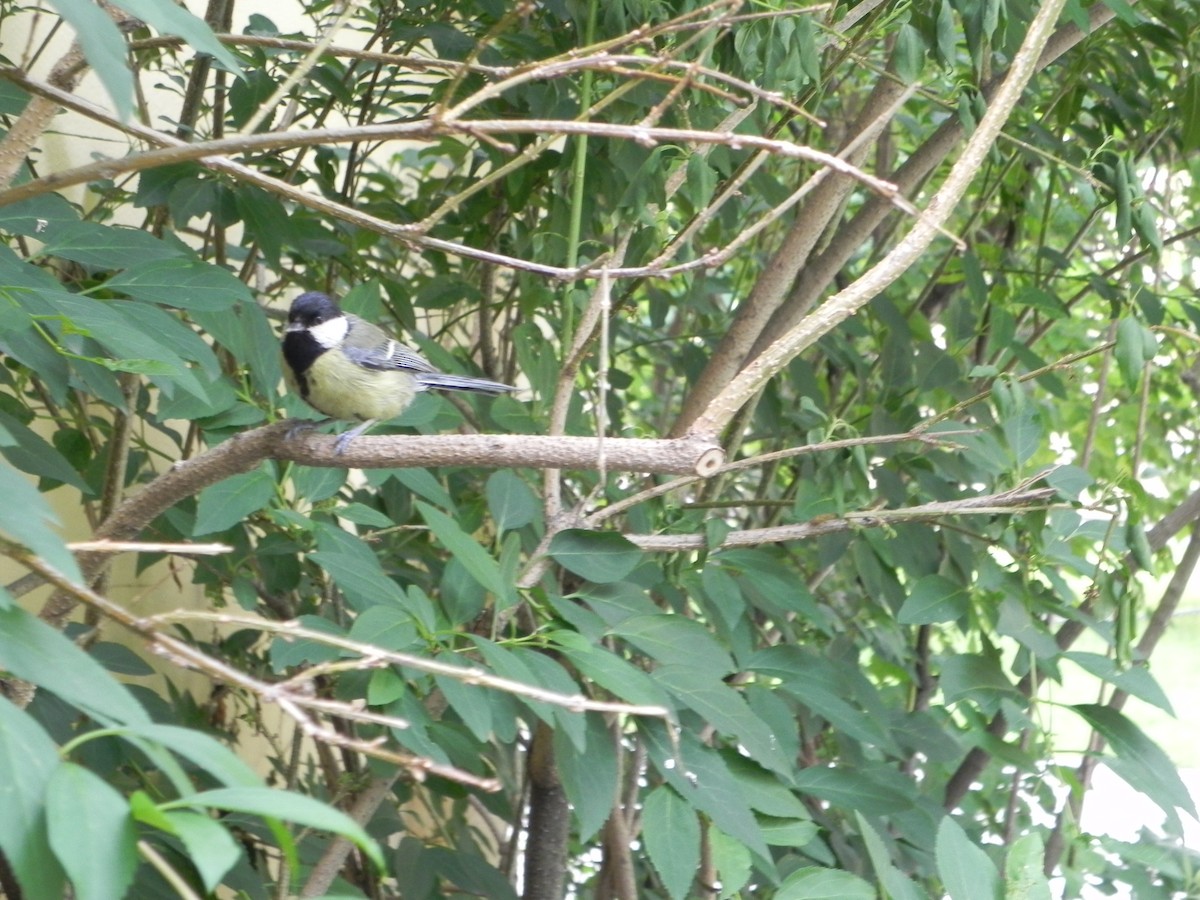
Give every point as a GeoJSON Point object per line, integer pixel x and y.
{"type": "Point", "coordinates": [299, 426]}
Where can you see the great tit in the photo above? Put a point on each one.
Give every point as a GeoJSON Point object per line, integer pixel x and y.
{"type": "Point", "coordinates": [347, 368]}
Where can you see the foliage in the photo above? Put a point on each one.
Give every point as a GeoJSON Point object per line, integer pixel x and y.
{"type": "Point", "coordinates": [821, 672]}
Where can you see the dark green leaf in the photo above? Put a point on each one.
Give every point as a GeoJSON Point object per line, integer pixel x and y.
{"type": "Point", "coordinates": [210, 846]}
{"type": "Point", "coordinates": [184, 283]}
{"type": "Point", "coordinates": [896, 886]}
{"type": "Point", "coordinates": [26, 518]}
{"type": "Point", "coordinates": [107, 246]}
{"type": "Point", "coordinates": [202, 750]}
{"type": "Point", "coordinates": [37, 216]}
{"type": "Point", "coordinates": [474, 558]}
{"type": "Point", "coordinates": [34, 651]}
{"type": "Point", "coordinates": [672, 835]}
{"type": "Point", "coordinates": [723, 708]}
{"type": "Point", "coordinates": [389, 627]}
{"type": "Point", "coordinates": [598, 556]}
{"type": "Point", "coordinates": [510, 500]}
{"type": "Point", "coordinates": [589, 778]}
{"type": "Point", "coordinates": [285, 805]}
{"type": "Point", "coordinates": [231, 501]}
{"type": "Point", "coordinates": [1130, 350]}
{"type": "Point", "coordinates": [933, 599]}
{"type": "Point", "coordinates": [814, 883]}
{"type": "Point", "coordinates": [287, 652]}
{"type": "Point", "coordinates": [975, 677]}
{"type": "Point", "coordinates": [355, 569]}
{"type": "Point", "coordinates": [1134, 680]}
{"type": "Point", "coordinates": [1145, 766]}
{"type": "Point", "coordinates": [674, 639]}
{"type": "Point", "coordinates": [851, 789]}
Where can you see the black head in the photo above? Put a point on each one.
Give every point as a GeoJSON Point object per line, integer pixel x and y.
{"type": "Point", "coordinates": [311, 309]}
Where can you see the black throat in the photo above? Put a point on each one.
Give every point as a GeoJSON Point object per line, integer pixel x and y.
{"type": "Point", "coordinates": [300, 351]}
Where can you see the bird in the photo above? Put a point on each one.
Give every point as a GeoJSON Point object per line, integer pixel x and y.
{"type": "Point", "coordinates": [349, 369]}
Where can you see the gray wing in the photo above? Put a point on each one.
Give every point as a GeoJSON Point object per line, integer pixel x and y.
{"type": "Point", "coordinates": [371, 347]}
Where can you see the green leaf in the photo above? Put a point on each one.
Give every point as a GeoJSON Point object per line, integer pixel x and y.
{"type": "Point", "coordinates": [355, 568]}
{"type": "Point", "coordinates": [168, 18]}
{"type": "Point", "coordinates": [104, 48]}
{"type": "Point", "coordinates": [422, 483]}
{"type": "Point", "coordinates": [107, 246]}
{"type": "Point", "coordinates": [91, 832]}
{"type": "Point", "coordinates": [477, 561]}
{"type": "Point", "coordinates": [317, 483]}
{"type": "Point", "coordinates": [1144, 765]}
{"type": "Point", "coordinates": [473, 705]}
{"type": "Point", "coordinates": [723, 708]}
{"type": "Point", "coordinates": [599, 556]}
{"type": "Point", "coordinates": [27, 519]}
{"type": "Point", "coordinates": [32, 650]}
{"type": "Point", "coordinates": [1135, 680]}
{"type": "Point", "coordinates": [589, 778]}
{"type": "Point", "coordinates": [1130, 350]}
{"type": "Point", "coordinates": [699, 775]}
{"type": "Point", "coordinates": [816, 883]}
{"type": "Point", "coordinates": [674, 639]}
{"type": "Point", "coordinates": [361, 514]}
{"type": "Point", "coordinates": [184, 283]}
{"type": "Point", "coordinates": [1070, 481]}
{"type": "Point", "coordinates": [287, 651]}
{"type": "Point", "coordinates": [231, 501]}
{"type": "Point", "coordinates": [896, 885]}
{"type": "Point", "coordinates": [37, 216]}
{"type": "Point", "coordinates": [909, 54]}
{"type": "Point", "coordinates": [118, 327]}
{"type": "Point", "coordinates": [967, 872]}
{"type": "Point", "coordinates": [1023, 875]}
{"type": "Point", "coordinates": [933, 599]}
{"type": "Point", "coordinates": [731, 860]}
{"type": "Point", "coordinates": [386, 626]}
{"type": "Point", "coordinates": [210, 846]}
{"type": "Point", "coordinates": [285, 805]}
{"type": "Point", "coordinates": [28, 758]}
{"type": "Point", "coordinates": [972, 676]}
{"type": "Point", "coordinates": [624, 681]}
{"type": "Point", "coordinates": [672, 836]}
{"type": "Point", "coordinates": [851, 789]}
{"type": "Point", "coordinates": [512, 503]}
{"type": "Point", "coordinates": [202, 750]}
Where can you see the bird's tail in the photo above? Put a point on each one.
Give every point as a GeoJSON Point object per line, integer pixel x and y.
{"type": "Point", "coordinates": [442, 381]}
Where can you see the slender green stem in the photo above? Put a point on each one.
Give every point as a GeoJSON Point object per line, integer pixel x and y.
{"type": "Point", "coordinates": [578, 173]}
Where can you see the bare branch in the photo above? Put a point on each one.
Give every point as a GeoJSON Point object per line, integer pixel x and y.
{"type": "Point", "coordinates": [848, 301]}
{"type": "Point", "coordinates": [372, 656]}
{"type": "Point", "coordinates": [993, 504]}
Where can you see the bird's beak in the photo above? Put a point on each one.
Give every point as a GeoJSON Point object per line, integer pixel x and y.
{"type": "Point", "coordinates": [294, 326]}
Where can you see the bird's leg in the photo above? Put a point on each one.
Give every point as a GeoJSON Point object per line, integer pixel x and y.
{"type": "Point", "coordinates": [346, 437]}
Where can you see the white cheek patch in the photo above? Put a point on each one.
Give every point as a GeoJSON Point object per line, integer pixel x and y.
{"type": "Point", "coordinates": [330, 333]}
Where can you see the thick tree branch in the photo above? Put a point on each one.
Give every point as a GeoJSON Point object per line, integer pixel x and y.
{"type": "Point", "coordinates": [816, 277]}
{"type": "Point", "coordinates": [244, 451]}
{"type": "Point", "coordinates": [775, 281]}
{"type": "Point", "coordinates": [847, 302]}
